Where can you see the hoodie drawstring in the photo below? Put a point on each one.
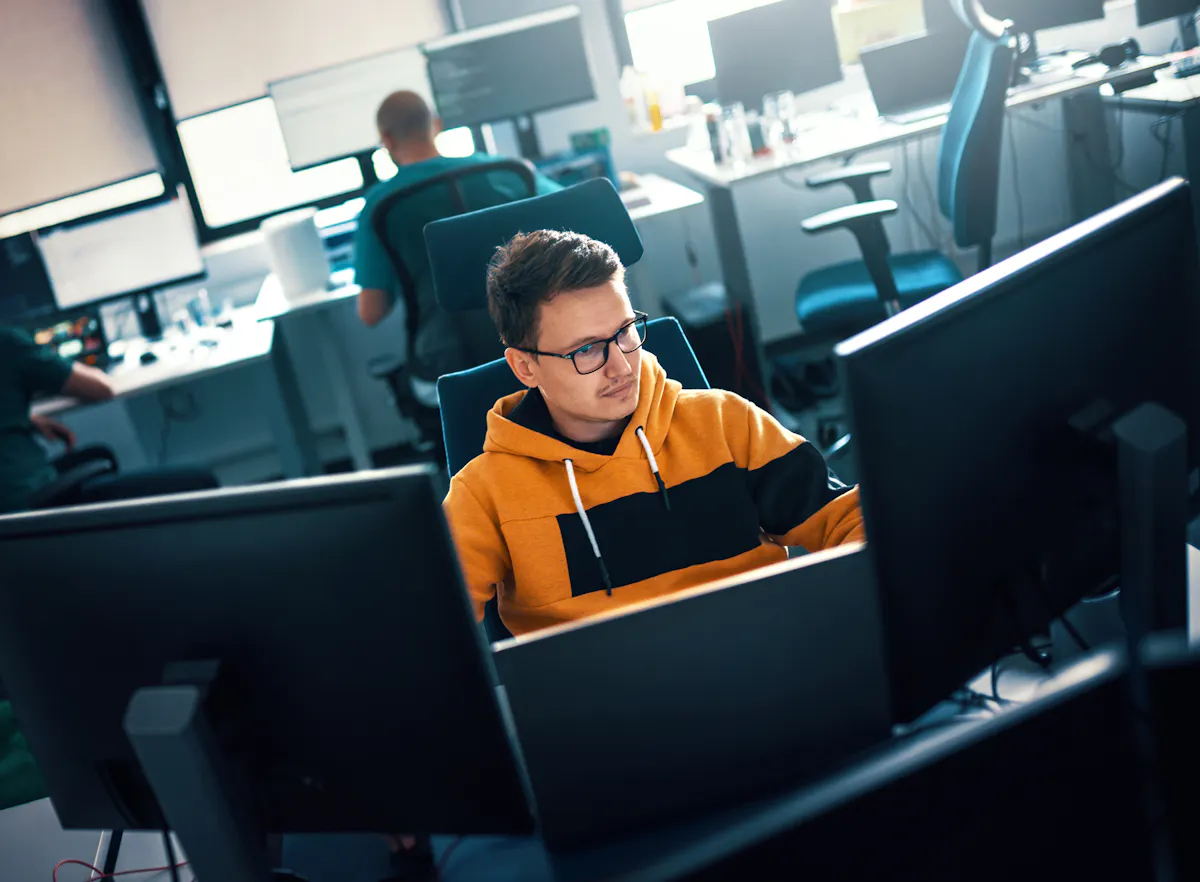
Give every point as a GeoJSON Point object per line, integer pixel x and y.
{"type": "Point", "coordinates": [662, 487]}
{"type": "Point", "coordinates": [582, 512]}
{"type": "Point", "coordinates": [587, 526]}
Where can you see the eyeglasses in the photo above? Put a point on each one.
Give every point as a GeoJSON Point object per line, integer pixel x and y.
{"type": "Point", "coordinates": [590, 357]}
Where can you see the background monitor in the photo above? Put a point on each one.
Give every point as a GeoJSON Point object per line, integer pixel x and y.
{"type": "Point", "coordinates": [330, 114]}
{"type": "Point", "coordinates": [1037, 15]}
{"type": "Point", "coordinates": [988, 516]}
{"type": "Point", "coordinates": [1151, 11]}
{"type": "Point", "coordinates": [150, 246]}
{"type": "Point", "coordinates": [356, 690]}
{"type": "Point", "coordinates": [79, 337]}
{"type": "Point", "coordinates": [510, 70]}
{"type": "Point", "coordinates": [25, 290]}
{"type": "Point", "coordinates": [914, 72]}
{"type": "Point", "coordinates": [789, 45]}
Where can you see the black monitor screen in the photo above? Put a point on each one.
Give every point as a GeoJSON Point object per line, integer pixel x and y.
{"type": "Point", "coordinates": [25, 290]}
{"type": "Point", "coordinates": [1036, 15]}
{"type": "Point", "coordinates": [787, 45]}
{"type": "Point", "coordinates": [980, 418]}
{"type": "Point", "coordinates": [510, 70]}
{"type": "Point", "coordinates": [1150, 11]}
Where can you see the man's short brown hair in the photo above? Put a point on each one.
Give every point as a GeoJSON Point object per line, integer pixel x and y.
{"type": "Point", "coordinates": [533, 268]}
{"type": "Point", "coordinates": [405, 117]}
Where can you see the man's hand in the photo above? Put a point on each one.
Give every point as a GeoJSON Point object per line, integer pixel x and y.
{"type": "Point", "coordinates": [53, 431]}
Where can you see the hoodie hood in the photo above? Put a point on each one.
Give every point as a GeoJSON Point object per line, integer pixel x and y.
{"type": "Point", "coordinates": [657, 397]}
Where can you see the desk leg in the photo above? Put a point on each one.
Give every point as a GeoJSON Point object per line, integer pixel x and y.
{"type": "Point", "coordinates": [285, 410]}
{"type": "Point", "coordinates": [1089, 159]}
{"type": "Point", "coordinates": [337, 368]}
{"type": "Point", "coordinates": [735, 274]}
{"type": "Point", "coordinates": [1191, 154]}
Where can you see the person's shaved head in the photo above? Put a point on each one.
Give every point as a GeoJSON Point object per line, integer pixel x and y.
{"type": "Point", "coordinates": [404, 117]}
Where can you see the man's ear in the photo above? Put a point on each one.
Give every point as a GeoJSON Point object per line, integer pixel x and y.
{"type": "Point", "coordinates": [522, 365]}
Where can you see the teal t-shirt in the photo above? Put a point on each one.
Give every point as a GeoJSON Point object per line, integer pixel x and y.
{"type": "Point", "coordinates": [372, 268]}
{"type": "Point", "coordinates": [26, 370]}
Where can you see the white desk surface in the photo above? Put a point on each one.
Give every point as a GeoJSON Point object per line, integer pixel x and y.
{"type": "Point", "coordinates": [271, 304]}
{"type": "Point", "coordinates": [857, 127]}
{"type": "Point", "coordinates": [180, 359]}
{"type": "Point", "coordinates": [1167, 95]}
{"type": "Point", "coordinates": [665, 197]}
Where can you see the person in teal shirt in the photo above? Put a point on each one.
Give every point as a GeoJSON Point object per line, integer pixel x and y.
{"type": "Point", "coordinates": [407, 128]}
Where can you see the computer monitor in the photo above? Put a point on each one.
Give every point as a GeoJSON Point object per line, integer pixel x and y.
{"type": "Point", "coordinates": [914, 73]}
{"type": "Point", "coordinates": [330, 114]}
{"type": "Point", "coordinates": [1037, 15]}
{"type": "Point", "coordinates": [789, 45]}
{"type": "Point", "coordinates": [511, 70]}
{"type": "Point", "coordinates": [78, 337]}
{"type": "Point", "coordinates": [940, 17]}
{"type": "Point", "coordinates": [25, 291]}
{"type": "Point", "coordinates": [981, 420]}
{"type": "Point", "coordinates": [149, 246]}
{"type": "Point", "coordinates": [1151, 11]}
{"type": "Point", "coordinates": [354, 691]}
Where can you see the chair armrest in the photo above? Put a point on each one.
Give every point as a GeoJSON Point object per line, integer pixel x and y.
{"type": "Point", "coordinates": [856, 177]}
{"type": "Point", "coordinates": [865, 221]}
{"type": "Point", "coordinates": [61, 489]}
{"type": "Point", "coordinates": [858, 215]}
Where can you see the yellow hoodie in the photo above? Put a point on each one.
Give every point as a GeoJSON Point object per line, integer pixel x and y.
{"type": "Point", "coordinates": [702, 485]}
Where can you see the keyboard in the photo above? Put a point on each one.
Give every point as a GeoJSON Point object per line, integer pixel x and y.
{"type": "Point", "coordinates": [1186, 67]}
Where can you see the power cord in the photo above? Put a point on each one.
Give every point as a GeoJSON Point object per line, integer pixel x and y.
{"type": "Point", "coordinates": [100, 874]}
{"type": "Point", "coordinates": [1076, 138]}
{"type": "Point", "coordinates": [445, 858]}
{"type": "Point", "coordinates": [170, 849]}
{"type": "Point", "coordinates": [910, 203]}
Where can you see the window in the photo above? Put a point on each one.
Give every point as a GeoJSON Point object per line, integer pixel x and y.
{"type": "Point", "coordinates": [92, 202]}
{"type": "Point", "coordinates": [239, 166]}
{"type": "Point", "coordinates": [669, 41]}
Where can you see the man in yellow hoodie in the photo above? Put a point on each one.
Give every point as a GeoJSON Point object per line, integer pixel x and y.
{"type": "Point", "coordinates": [605, 483]}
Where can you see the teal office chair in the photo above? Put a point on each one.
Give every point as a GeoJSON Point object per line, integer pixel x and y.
{"type": "Point", "coordinates": [460, 249]}
{"type": "Point", "coordinates": [840, 300]}
{"type": "Point", "coordinates": [438, 342]}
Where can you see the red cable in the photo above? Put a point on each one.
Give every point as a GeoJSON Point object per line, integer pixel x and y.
{"type": "Point", "coordinates": [100, 874]}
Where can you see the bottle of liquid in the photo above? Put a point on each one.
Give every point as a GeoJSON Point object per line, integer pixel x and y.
{"type": "Point", "coordinates": [654, 109]}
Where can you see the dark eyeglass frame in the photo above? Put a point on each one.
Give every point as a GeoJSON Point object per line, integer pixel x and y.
{"type": "Point", "coordinates": [639, 317]}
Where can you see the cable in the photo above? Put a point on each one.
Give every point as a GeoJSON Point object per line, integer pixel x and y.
{"type": "Point", "coordinates": [445, 858]}
{"type": "Point", "coordinates": [170, 849]}
{"type": "Point", "coordinates": [100, 874]}
{"type": "Point", "coordinates": [1016, 173]}
{"type": "Point", "coordinates": [1076, 138]}
{"type": "Point", "coordinates": [910, 203]}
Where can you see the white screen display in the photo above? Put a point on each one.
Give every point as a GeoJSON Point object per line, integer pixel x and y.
{"type": "Point", "coordinates": [330, 114]}
{"type": "Point", "coordinates": [128, 252]}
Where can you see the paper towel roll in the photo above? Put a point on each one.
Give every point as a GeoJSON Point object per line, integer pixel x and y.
{"type": "Point", "coordinates": [296, 253]}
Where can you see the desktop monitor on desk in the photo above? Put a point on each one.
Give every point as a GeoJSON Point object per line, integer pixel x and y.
{"type": "Point", "coordinates": [329, 114]}
{"type": "Point", "coordinates": [77, 337]}
{"type": "Point", "coordinates": [130, 253]}
{"type": "Point", "coordinates": [984, 421]}
{"type": "Point", "coordinates": [510, 71]}
{"type": "Point", "coordinates": [1151, 11]}
{"type": "Point", "coordinates": [278, 637]}
{"type": "Point", "coordinates": [915, 76]}
{"type": "Point", "coordinates": [788, 45]}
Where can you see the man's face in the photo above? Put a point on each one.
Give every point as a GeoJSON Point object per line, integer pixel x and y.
{"type": "Point", "coordinates": [569, 321]}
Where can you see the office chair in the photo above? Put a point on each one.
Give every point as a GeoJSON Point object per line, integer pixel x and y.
{"type": "Point", "coordinates": [74, 470]}
{"type": "Point", "coordinates": [840, 300]}
{"type": "Point", "coordinates": [460, 249]}
{"type": "Point", "coordinates": [438, 342]}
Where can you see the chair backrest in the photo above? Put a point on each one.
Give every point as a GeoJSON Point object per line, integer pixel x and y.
{"type": "Point", "coordinates": [467, 396]}
{"type": "Point", "coordinates": [969, 156]}
{"type": "Point", "coordinates": [399, 220]}
{"type": "Point", "coordinates": [461, 247]}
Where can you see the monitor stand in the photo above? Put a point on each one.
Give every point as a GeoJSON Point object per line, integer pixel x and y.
{"type": "Point", "coordinates": [204, 799]}
{"type": "Point", "coordinates": [527, 137]}
{"type": "Point", "coordinates": [149, 321]}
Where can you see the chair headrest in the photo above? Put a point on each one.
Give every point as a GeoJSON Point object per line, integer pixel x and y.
{"type": "Point", "coordinates": [461, 247]}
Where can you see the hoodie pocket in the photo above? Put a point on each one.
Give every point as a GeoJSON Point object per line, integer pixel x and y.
{"type": "Point", "coordinates": [539, 564]}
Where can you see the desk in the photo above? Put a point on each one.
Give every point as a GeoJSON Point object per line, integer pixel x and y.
{"type": "Point", "coordinates": [212, 352]}
{"type": "Point", "coordinates": [1173, 97]}
{"type": "Point", "coordinates": [272, 306]}
{"type": "Point", "coordinates": [655, 195]}
{"type": "Point", "coordinates": [653, 198]}
{"type": "Point", "coordinates": [843, 132]}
